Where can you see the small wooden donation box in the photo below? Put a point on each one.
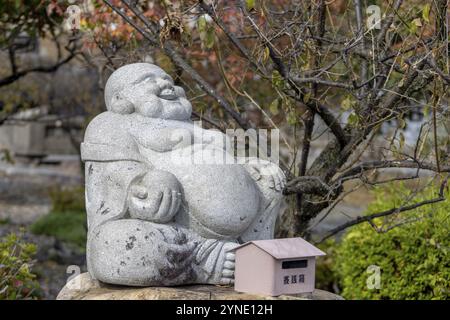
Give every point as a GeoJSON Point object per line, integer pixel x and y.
{"type": "Point", "coordinates": [275, 267]}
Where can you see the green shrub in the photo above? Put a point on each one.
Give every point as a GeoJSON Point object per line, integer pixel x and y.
{"type": "Point", "coordinates": [67, 219]}
{"type": "Point", "coordinates": [414, 257]}
{"type": "Point", "coordinates": [16, 279]}
{"type": "Point", "coordinates": [326, 279]}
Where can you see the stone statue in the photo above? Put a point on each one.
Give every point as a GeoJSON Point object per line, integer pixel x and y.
{"type": "Point", "coordinates": [155, 217]}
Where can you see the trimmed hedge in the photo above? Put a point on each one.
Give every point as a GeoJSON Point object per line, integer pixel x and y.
{"type": "Point", "coordinates": [414, 257]}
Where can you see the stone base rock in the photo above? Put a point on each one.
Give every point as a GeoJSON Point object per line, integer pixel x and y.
{"type": "Point", "coordinates": [83, 287]}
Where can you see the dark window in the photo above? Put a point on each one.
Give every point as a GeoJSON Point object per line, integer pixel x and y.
{"type": "Point", "coordinates": [294, 264]}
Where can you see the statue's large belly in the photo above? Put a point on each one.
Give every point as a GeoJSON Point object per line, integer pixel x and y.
{"type": "Point", "coordinates": [221, 201]}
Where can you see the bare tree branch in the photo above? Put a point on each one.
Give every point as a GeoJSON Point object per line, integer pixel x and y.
{"type": "Point", "coordinates": [17, 74]}
{"type": "Point", "coordinates": [209, 9]}
{"type": "Point", "coordinates": [385, 164]}
{"type": "Point", "coordinates": [307, 185]}
{"type": "Point", "coordinates": [300, 81]}
{"type": "Point", "coordinates": [432, 63]}
{"type": "Point", "coordinates": [369, 218]}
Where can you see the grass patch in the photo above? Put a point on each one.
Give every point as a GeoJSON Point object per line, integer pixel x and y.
{"type": "Point", "coordinates": [67, 219]}
{"type": "Point", "coordinates": [4, 221]}
{"type": "Point", "coordinates": [66, 226]}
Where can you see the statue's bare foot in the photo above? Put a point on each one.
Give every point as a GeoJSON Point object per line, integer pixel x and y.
{"type": "Point", "coordinates": [227, 277]}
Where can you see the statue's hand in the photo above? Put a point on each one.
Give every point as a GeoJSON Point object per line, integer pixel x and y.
{"type": "Point", "coordinates": [267, 171]}
{"type": "Point", "coordinates": [157, 197]}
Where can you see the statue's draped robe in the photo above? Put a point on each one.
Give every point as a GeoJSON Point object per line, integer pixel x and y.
{"type": "Point", "coordinates": [168, 254]}
{"type": "Point", "coordinates": [151, 253]}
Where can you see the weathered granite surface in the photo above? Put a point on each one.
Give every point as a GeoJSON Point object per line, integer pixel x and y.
{"type": "Point", "coordinates": [83, 287]}
{"type": "Point", "coordinates": [165, 200]}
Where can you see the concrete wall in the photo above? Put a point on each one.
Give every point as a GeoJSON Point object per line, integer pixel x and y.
{"type": "Point", "coordinates": [35, 139]}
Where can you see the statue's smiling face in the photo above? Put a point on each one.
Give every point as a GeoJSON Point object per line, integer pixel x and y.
{"type": "Point", "coordinates": [153, 94]}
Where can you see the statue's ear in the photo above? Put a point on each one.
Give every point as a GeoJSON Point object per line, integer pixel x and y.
{"type": "Point", "coordinates": [121, 105]}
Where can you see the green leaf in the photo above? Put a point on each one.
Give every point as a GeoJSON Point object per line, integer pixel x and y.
{"type": "Point", "coordinates": [273, 108]}
{"type": "Point", "coordinates": [426, 12]}
{"type": "Point", "coordinates": [291, 118]}
{"type": "Point", "coordinates": [277, 80]}
{"type": "Point", "coordinates": [201, 24]}
{"type": "Point", "coordinates": [250, 4]}
{"type": "Point", "coordinates": [347, 103]}
{"type": "Point", "coordinates": [415, 25]}
{"type": "Point", "coordinates": [353, 119]}
{"type": "Point", "coordinates": [426, 110]}
{"type": "Point", "coordinates": [266, 54]}
{"type": "Point", "coordinates": [209, 38]}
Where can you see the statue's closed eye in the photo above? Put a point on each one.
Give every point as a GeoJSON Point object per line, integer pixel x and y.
{"type": "Point", "coordinates": [146, 79]}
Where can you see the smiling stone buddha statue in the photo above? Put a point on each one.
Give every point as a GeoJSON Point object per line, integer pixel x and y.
{"type": "Point", "coordinates": [155, 216]}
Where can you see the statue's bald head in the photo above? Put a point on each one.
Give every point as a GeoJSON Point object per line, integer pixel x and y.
{"type": "Point", "coordinates": [128, 75]}
{"type": "Point", "coordinates": [148, 90]}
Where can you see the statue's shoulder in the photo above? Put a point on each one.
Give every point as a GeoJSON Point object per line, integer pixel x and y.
{"type": "Point", "coordinates": [107, 127]}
